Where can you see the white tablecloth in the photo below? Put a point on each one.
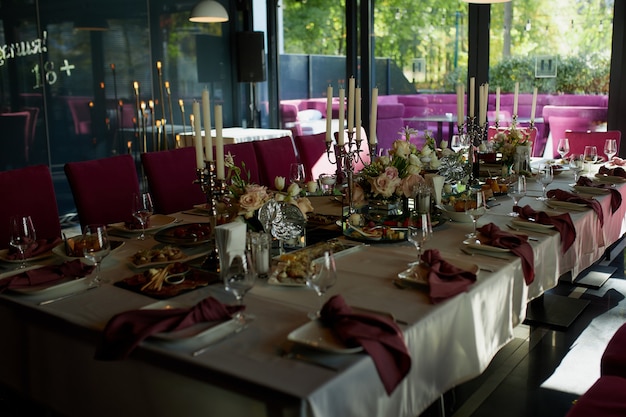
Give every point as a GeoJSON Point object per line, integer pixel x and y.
{"type": "Point", "coordinates": [240, 135]}
{"type": "Point", "coordinates": [48, 351]}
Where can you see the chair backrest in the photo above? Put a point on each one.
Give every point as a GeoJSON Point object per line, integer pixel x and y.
{"type": "Point", "coordinates": [171, 176]}
{"type": "Point", "coordinates": [560, 124]}
{"type": "Point", "coordinates": [103, 189]}
{"type": "Point", "coordinates": [312, 153]}
{"type": "Point", "coordinates": [15, 128]}
{"type": "Point", "coordinates": [29, 191]}
{"type": "Point", "coordinates": [274, 157]}
{"type": "Point", "coordinates": [245, 158]}
{"type": "Point", "coordinates": [578, 141]}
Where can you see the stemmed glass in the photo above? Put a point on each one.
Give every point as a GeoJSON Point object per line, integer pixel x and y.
{"type": "Point", "coordinates": [296, 173]}
{"type": "Point", "coordinates": [610, 148]}
{"type": "Point", "coordinates": [22, 235]}
{"type": "Point", "coordinates": [239, 279]}
{"type": "Point", "coordinates": [420, 230]}
{"type": "Point", "coordinates": [591, 156]}
{"type": "Point", "coordinates": [142, 210]}
{"type": "Point", "coordinates": [96, 246]}
{"type": "Point", "coordinates": [563, 148]}
{"type": "Point", "coordinates": [545, 176]}
{"type": "Point", "coordinates": [475, 207]}
{"type": "Point", "coordinates": [320, 279]}
{"type": "Point", "coordinates": [457, 143]}
{"type": "Point", "coordinates": [517, 190]}
{"type": "Point", "coordinates": [576, 164]}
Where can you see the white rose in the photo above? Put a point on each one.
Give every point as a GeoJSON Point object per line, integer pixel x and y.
{"type": "Point", "coordinates": [414, 160]}
{"type": "Point", "coordinates": [443, 144]}
{"type": "Point", "coordinates": [426, 150]}
{"type": "Point", "coordinates": [279, 183]}
{"type": "Point", "coordinates": [435, 163]}
{"type": "Point", "coordinates": [279, 197]}
{"type": "Point", "coordinates": [384, 160]}
{"type": "Point", "coordinates": [294, 189]}
{"type": "Point", "coordinates": [414, 169]}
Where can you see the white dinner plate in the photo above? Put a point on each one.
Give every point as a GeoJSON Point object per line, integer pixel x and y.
{"type": "Point", "coordinates": [419, 275]}
{"type": "Point", "coordinates": [4, 257]}
{"type": "Point", "coordinates": [456, 216]}
{"type": "Point", "coordinates": [62, 287]}
{"type": "Point", "coordinates": [591, 190]}
{"type": "Point", "coordinates": [525, 224]}
{"type": "Point", "coordinates": [59, 250]}
{"type": "Point", "coordinates": [487, 248]}
{"type": "Point", "coordinates": [315, 335]}
{"type": "Point", "coordinates": [157, 221]}
{"type": "Point", "coordinates": [610, 178]}
{"type": "Point", "coordinates": [284, 282]}
{"type": "Point", "coordinates": [556, 204]}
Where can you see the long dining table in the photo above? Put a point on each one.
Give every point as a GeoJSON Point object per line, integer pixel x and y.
{"type": "Point", "coordinates": [47, 353]}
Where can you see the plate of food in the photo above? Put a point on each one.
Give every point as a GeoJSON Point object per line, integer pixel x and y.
{"type": "Point", "coordinates": [155, 222]}
{"type": "Point", "coordinates": [189, 234]}
{"type": "Point", "coordinates": [162, 255]}
{"type": "Point", "coordinates": [72, 249]}
{"type": "Point", "coordinates": [152, 282]}
{"type": "Point", "coordinates": [418, 274]}
{"type": "Point", "coordinates": [314, 334]}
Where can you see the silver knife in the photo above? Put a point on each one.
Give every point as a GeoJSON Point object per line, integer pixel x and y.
{"type": "Point", "coordinates": [63, 297]}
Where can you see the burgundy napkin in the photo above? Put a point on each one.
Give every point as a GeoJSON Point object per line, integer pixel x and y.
{"type": "Point", "coordinates": [445, 280]}
{"type": "Point", "coordinates": [46, 275]}
{"type": "Point", "coordinates": [562, 222]}
{"type": "Point", "coordinates": [613, 172]}
{"type": "Point", "coordinates": [518, 244]}
{"type": "Point", "coordinates": [563, 195]}
{"type": "Point", "coordinates": [126, 330]}
{"type": "Point", "coordinates": [616, 197]}
{"type": "Point", "coordinates": [380, 337]}
{"type": "Point", "coordinates": [39, 247]}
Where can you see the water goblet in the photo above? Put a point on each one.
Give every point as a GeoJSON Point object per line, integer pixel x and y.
{"type": "Point", "coordinates": [327, 183]}
{"type": "Point", "coordinates": [563, 147]}
{"type": "Point", "coordinates": [576, 165]}
{"type": "Point", "coordinates": [420, 230]}
{"type": "Point", "coordinates": [320, 279]}
{"type": "Point", "coordinates": [517, 191]}
{"type": "Point", "coordinates": [591, 156]}
{"type": "Point", "coordinates": [610, 148]}
{"type": "Point", "coordinates": [296, 173]}
{"type": "Point", "coordinates": [22, 235]}
{"type": "Point", "coordinates": [142, 210]}
{"type": "Point", "coordinates": [475, 207]}
{"type": "Point", "coordinates": [457, 143]}
{"type": "Point", "coordinates": [545, 176]}
{"type": "Point", "coordinates": [96, 246]}
{"type": "Point", "coordinates": [239, 279]}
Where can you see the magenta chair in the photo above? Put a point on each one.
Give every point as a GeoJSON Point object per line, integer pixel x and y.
{"type": "Point", "coordinates": [171, 176]}
{"type": "Point", "coordinates": [245, 158]}
{"type": "Point", "coordinates": [29, 191]}
{"type": "Point", "coordinates": [103, 189]}
{"type": "Point", "coordinates": [274, 157]}
{"type": "Point", "coordinates": [578, 141]}
{"type": "Point", "coordinates": [312, 152]}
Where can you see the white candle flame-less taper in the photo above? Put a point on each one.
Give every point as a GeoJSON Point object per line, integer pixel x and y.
{"type": "Point", "coordinates": [219, 144]}
{"type": "Point", "coordinates": [357, 112]}
{"type": "Point", "coordinates": [208, 139]}
{"type": "Point", "coordinates": [351, 88]}
{"type": "Point", "coordinates": [329, 113]}
{"type": "Point", "coordinates": [373, 116]}
{"type": "Point", "coordinates": [197, 134]}
{"type": "Point", "coordinates": [342, 111]}
{"type": "Point", "coordinates": [515, 98]}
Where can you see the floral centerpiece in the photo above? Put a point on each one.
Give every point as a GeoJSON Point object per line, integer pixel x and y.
{"type": "Point", "coordinates": [507, 141]}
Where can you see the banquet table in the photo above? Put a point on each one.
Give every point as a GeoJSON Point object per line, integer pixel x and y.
{"type": "Point", "coordinates": [49, 356]}
{"type": "Point", "coordinates": [240, 135]}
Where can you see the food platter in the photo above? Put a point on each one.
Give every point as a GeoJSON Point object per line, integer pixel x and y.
{"type": "Point", "coordinates": [189, 234]}
{"type": "Point", "coordinates": [195, 278]}
{"type": "Point", "coordinates": [59, 250]}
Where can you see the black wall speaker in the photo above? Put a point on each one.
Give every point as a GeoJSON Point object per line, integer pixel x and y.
{"type": "Point", "coordinates": [250, 57]}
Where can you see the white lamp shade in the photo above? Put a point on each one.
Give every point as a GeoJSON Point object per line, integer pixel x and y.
{"type": "Point", "coordinates": [208, 11]}
{"type": "Point", "coordinates": [486, 1]}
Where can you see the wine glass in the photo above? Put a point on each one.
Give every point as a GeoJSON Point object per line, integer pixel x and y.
{"type": "Point", "coordinates": [296, 173]}
{"type": "Point", "coordinates": [239, 279]}
{"type": "Point", "coordinates": [576, 164]}
{"type": "Point", "coordinates": [563, 148]}
{"type": "Point", "coordinates": [475, 207]}
{"type": "Point", "coordinates": [610, 148]}
{"type": "Point", "coordinates": [517, 191]}
{"type": "Point", "coordinates": [545, 176]}
{"type": "Point", "coordinates": [321, 278]}
{"type": "Point", "coordinates": [420, 230]}
{"type": "Point", "coordinates": [96, 246]}
{"type": "Point", "coordinates": [142, 210]}
{"type": "Point", "coordinates": [457, 143]}
{"type": "Point", "coordinates": [591, 156]}
{"type": "Point", "coordinates": [22, 235]}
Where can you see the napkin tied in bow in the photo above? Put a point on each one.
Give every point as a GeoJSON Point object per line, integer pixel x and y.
{"type": "Point", "coordinates": [561, 222]}
{"type": "Point", "coordinates": [126, 330]}
{"type": "Point", "coordinates": [46, 275]}
{"type": "Point", "coordinates": [518, 244]}
{"type": "Point", "coordinates": [563, 195]}
{"type": "Point", "coordinates": [381, 338]}
{"type": "Point", "coordinates": [445, 280]}
{"type": "Point", "coordinates": [616, 196]}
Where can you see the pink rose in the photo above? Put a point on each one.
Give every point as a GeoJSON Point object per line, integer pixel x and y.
{"type": "Point", "coordinates": [254, 198]}
{"type": "Point", "coordinates": [358, 195]}
{"type": "Point", "coordinates": [384, 186]}
{"type": "Point", "coordinates": [410, 184]}
{"type": "Point", "coordinates": [391, 173]}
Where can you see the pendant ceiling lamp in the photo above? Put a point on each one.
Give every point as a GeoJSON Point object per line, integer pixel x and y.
{"type": "Point", "coordinates": [208, 11]}
{"type": "Point", "coordinates": [486, 1]}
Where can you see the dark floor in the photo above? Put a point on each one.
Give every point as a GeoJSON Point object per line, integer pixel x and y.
{"type": "Point", "coordinates": [511, 386]}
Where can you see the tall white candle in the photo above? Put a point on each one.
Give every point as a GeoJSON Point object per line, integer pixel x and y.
{"type": "Point", "coordinates": [515, 97]}
{"type": "Point", "coordinates": [357, 112]}
{"type": "Point", "coordinates": [219, 144]}
{"type": "Point", "coordinates": [342, 111]}
{"type": "Point", "coordinates": [485, 102]}
{"type": "Point", "coordinates": [533, 108]}
{"type": "Point", "coordinates": [460, 102]}
{"type": "Point", "coordinates": [208, 139]}
{"type": "Point", "coordinates": [497, 104]}
{"type": "Point", "coordinates": [197, 134]}
{"type": "Point", "coordinates": [329, 113]}
{"type": "Point", "coordinates": [472, 91]}
{"type": "Point", "coordinates": [351, 89]}
{"type": "Point", "coordinates": [481, 105]}
{"type": "Point", "coordinates": [373, 115]}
